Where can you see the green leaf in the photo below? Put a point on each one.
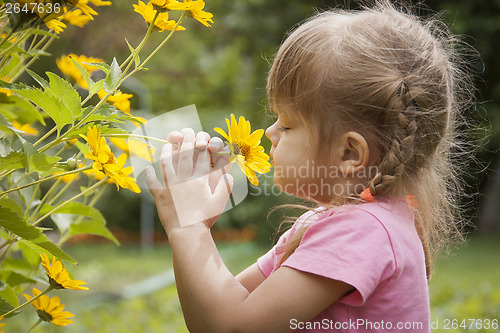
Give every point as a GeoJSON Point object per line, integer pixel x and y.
{"type": "Point", "coordinates": [102, 66]}
{"type": "Point", "coordinates": [48, 247]}
{"type": "Point", "coordinates": [113, 76]}
{"type": "Point", "coordinates": [17, 224]}
{"type": "Point", "coordinates": [41, 162]}
{"type": "Point", "coordinates": [7, 202]}
{"type": "Point", "coordinates": [13, 279]}
{"type": "Point", "coordinates": [25, 111]}
{"type": "Point", "coordinates": [69, 96]}
{"type": "Point", "coordinates": [38, 161]}
{"type": "Point", "coordinates": [49, 103]}
{"type": "Point", "coordinates": [75, 208]}
{"type": "Point", "coordinates": [38, 79]}
{"type": "Point", "coordinates": [37, 52]}
{"type": "Point", "coordinates": [98, 86]}
{"type": "Point", "coordinates": [6, 307]}
{"type": "Point", "coordinates": [5, 125]}
{"type": "Point", "coordinates": [85, 75]}
{"type": "Point", "coordinates": [137, 59]}
{"type": "Point", "coordinates": [29, 254]}
{"type": "Point", "coordinates": [13, 160]}
{"type": "Point", "coordinates": [92, 227]}
{"type": "Point", "coordinates": [43, 32]}
{"type": "Point", "coordinates": [7, 293]}
{"type": "Point", "coordinates": [8, 85]}
{"type": "Point", "coordinates": [109, 113]}
{"type": "Point", "coordinates": [104, 130]}
{"type": "Point", "coordinates": [94, 223]}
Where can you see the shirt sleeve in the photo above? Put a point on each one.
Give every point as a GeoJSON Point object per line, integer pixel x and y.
{"type": "Point", "coordinates": [350, 246]}
{"type": "Point", "coordinates": [269, 261]}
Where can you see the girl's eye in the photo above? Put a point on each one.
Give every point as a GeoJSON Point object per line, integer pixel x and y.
{"type": "Point", "coordinates": [282, 128]}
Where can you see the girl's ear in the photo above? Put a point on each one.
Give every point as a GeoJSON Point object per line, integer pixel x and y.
{"type": "Point", "coordinates": [355, 153]}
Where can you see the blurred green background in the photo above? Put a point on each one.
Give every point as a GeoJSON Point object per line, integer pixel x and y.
{"type": "Point", "coordinates": [222, 70]}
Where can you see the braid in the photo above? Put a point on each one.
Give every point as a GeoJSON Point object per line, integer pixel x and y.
{"type": "Point", "coordinates": [400, 156]}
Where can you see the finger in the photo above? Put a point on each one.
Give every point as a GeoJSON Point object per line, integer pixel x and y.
{"type": "Point", "coordinates": [215, 145]}
{"type": "Point", "coordinates": [202, 139]}
{"type": "Point", "coordinates": [222, 161]}
{"type": "Point", "coordinates": [166, 163]}
{"type": "Point", "coordinates": [224, 188]}
{"type": "Point", "coordinates": [185, 166]}
{"type": "Point", "coordinates": [175, 138]}
{"type": "Point", "coordinates": [154, 184]}
{"type": "Point", "coordinates": [202, 167]}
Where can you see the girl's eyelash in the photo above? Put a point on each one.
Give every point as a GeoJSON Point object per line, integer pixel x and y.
{"type": "Point", "coordinates": [283, 128]}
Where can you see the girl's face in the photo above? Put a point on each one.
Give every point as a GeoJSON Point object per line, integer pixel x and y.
{"type": "Point", "coordinates": [295, 171]}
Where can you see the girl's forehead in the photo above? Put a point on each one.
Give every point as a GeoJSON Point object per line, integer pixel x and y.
{"type": "Point", "coordinates": [285, 113]}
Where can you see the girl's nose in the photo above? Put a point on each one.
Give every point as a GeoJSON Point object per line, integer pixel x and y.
{"type": "Point", "coordinates": [272, 134]}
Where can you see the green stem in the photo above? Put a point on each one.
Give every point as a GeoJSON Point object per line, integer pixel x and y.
{"type": "Point", "coordinates": [31, 199]}
{"type": "Point", "coordinates": [71, 199]}
{"type": "Point", "coordinates": [45, 179]}
{"type": "Point", "coordinates": [36, 324]}
{"type": "Point", "coordinates": [44, 199]}
{"type": "Point", "coordinates": [119, 82]}
{"type": "Point", "coordinates": [49, 288]}
{"type": "Point", "coordinates": [134, 136]}
{"type": "Point", "coordinates": [17, 42]}
{"type": "Point", "coordinates": [9, 244]}
{"type": "Point", "coordinates": [157, 48]}
{"type": "Point", "coordinates": [139, 48]}
{"type": "Point", "coordinates": [45, 136]}
{"type": "Point", "coordinates": [35, 58]}
{"type": "Point", "coordinates": [60, 192]}
{"type": "Point", "coordinates": [6, 173]}
{"type": "Point", "coordinates": [94, 200]}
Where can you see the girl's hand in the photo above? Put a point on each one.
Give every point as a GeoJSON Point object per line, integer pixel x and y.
{"type": "Point", "coordinates": [196, 190]}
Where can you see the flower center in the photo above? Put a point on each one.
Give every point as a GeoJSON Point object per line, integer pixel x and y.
{"type": "Point", "coordinates": [54, 283]}
{"type": "Point", "coordinates": [44, 315]}
{"type": "Point", "coordinates": [241, 148]}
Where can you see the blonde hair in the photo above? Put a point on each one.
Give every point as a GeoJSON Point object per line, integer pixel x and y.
{"type": "Point", "coordinates": [397, 80]}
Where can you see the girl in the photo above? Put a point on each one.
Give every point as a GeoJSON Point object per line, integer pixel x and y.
{"type": "Point", "coordinates": [366, 104]}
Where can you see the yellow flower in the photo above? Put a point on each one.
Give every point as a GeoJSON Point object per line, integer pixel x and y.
{"type": "Point", "coordinates": [194, 9]}
{"type": "Point", "coordinates": [136, 148]}
{"type": "Point", "coordinates": [161, 22]}
{"type": "Point", "coordinates": [58, 276]}
{"type": "Point", "coordinates": [100, 3]}
{"type": "Point", "coordinates": [120, 100]}
{"type": "Point", "coordinates": [245, 148]}
{"type": "Point", "coordinates": [55, 25]}
{"type": "Point", "coordinates": [159, 3]}
{"type": "Point", "coordinates": [83, 6]}
{"type": "Point", "coordinates": [100, 153]}
{"type": "Point", "coordinates": [26, 128]}
{"type": "Point", "coordinates": [67, 67]}
{"type": "Point", "coordinates": [120, 177]}
{"type": "Point", "coordinates": [1, 324]}
{"type": "Point", "coordinates": [76, 17]}
{"type": "Point", "coordinates": [50, 309]}
{"type": "Point", "coordinates": [105, 162]}
{"type": "Point", "coordinates": [122, 103]}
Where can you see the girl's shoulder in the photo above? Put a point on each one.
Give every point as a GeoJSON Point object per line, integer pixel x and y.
{"type": "Point", "coordinates": [383, 209]}
{"type": "Point", "coordinates": [386, 213]}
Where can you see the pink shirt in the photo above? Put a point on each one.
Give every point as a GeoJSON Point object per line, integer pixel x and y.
{"type": "Point", "coordinates": [375, 248]}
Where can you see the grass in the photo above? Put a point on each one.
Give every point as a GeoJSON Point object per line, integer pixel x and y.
{"type": "Point", "coordinates": [466, 285]}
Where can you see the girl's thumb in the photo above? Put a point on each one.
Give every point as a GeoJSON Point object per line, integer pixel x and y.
{"type": "Point", "coordinates": [224, 188]}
